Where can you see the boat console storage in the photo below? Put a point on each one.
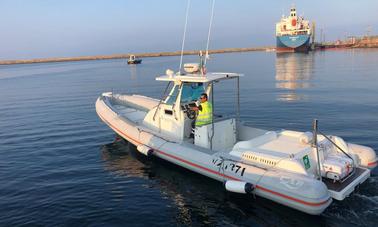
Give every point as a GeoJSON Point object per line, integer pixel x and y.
{"type": "Point", "coordinates": [220, 135]}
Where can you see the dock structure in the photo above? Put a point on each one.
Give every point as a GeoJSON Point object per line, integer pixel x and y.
{"type": "Point", "coordinates": [126, 56]}
{"type": "Point", "coordinates": [350, 42]}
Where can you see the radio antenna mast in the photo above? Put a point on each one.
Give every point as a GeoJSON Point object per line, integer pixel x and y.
{"type": "Point", "coordinates": [183, 39]}
{"type": "Point", "coordinates": [208, 35]}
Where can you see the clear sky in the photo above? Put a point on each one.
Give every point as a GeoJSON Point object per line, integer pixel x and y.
{"type": "Point", "coordinates": [63, 28]}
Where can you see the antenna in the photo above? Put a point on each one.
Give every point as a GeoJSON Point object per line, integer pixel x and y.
{"type": "Point", "coordinates": [321, 35]}
{"type": "Point", "coordinates": [368, 30]}
{"type": "Point", "coordinates": [183, 39]}
{"type": "Point", "coordinates": [208, 35]}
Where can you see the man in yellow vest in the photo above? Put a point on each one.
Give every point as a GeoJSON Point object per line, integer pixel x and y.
{"type": "Point", "coordinates": [205, 113]}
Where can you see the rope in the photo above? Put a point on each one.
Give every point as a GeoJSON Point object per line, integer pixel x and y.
{"type": "Point", "coordinates": [266, 169]}
{"type": "Point", "coordinates": [221, 167]}
{"type": "Point", "coordinates": [183, 39]}
{"type": "Point", "coordinates": [269, 169]}
{"type": "Point", "coordinates": [212, 117]}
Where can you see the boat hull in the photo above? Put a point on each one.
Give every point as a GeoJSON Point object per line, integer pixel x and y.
{"type": "Point", "coordinates": [125, 114]}
{"type": "Point", "coordinates": [293, 43]}
{"type": "Point", "coordinates": [134, 62]}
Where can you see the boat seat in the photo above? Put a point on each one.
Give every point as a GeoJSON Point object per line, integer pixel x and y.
{"type": "Point", "coordinates": [273, 144]}
{"type": "Point", "coordinates": [259, 153]}
{"type": "Point", "coordinates": [135, 101]}
{"type": "Point", "coordinates": [255, 142]}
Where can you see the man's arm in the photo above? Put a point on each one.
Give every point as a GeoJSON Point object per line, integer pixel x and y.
{"type": "Point", "coordinates": [197, 108]}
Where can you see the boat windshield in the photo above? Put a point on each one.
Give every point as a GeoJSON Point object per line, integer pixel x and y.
{"type": "Point", "coordinates": [172, 96]}
{"type": "Point", "coordinates": [191, 92]}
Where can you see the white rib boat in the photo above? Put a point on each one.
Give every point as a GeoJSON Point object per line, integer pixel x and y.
{"type": "Point", "coordinates": [302, 170]}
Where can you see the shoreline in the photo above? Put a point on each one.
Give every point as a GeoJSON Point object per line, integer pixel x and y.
{"type": "Point", "coordinates": [126, 56]}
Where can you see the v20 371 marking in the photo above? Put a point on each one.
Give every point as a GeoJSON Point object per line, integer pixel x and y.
{"type": "Point", "coordinates": [229, 166]}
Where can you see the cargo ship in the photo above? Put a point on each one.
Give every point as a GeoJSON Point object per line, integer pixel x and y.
{"type": "Point", "coordinates": [293, 33]}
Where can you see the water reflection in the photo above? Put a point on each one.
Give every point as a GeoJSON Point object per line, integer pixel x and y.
{"type": "Point", "coordinates": [293, 72]}
{"type": "Point", "coordinates": [197, 200]}
{"type": "Point", "coordinates": [134, 80]}
{"type": "Point", "coordinates": [121, 158]}
{"type": "Point", "coordinates": [133, 71]}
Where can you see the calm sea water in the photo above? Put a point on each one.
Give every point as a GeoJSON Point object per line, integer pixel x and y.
{"type": "Point", "coordinates": [61, 166]}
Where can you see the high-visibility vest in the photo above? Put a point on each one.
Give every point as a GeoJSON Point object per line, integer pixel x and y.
{"type": "Point", "coordinates": [205, 116]}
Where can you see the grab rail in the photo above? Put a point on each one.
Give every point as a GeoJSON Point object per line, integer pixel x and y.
{"type": "Point", "coordinates": [315, 144]}
{"type": "Point", "coordinates": [336, 146]}
{"type": "Point", "coordinates": [161, 100]}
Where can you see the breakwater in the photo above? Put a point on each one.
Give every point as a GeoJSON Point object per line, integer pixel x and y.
{"type": "Point", "coordinates": [125, 56]}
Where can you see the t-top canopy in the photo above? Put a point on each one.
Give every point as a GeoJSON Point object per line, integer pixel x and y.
{"type": "Point", "coordinates": [199, 78]}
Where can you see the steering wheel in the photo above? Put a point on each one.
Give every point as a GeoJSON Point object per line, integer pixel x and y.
{"type": "Point", "coordinates": [191, 114]}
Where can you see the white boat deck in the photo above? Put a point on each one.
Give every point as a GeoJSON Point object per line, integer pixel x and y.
{"type": "Point", "coordinates": [285, 144]}
{"type": "Point", "coordinates": [131, 114]}
{"type": "Point", "coordinates": [273, 145]}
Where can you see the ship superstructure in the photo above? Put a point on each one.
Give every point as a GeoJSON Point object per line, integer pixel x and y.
{"type": "Point", "coordinates": [293, 33]}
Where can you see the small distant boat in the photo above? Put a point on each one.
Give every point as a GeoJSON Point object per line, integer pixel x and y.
{"type": "Point", "coordinates": [133, 60]}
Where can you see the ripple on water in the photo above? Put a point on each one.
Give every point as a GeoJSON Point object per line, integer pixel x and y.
{"type": "Point", "coordinates": [59, 166]}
